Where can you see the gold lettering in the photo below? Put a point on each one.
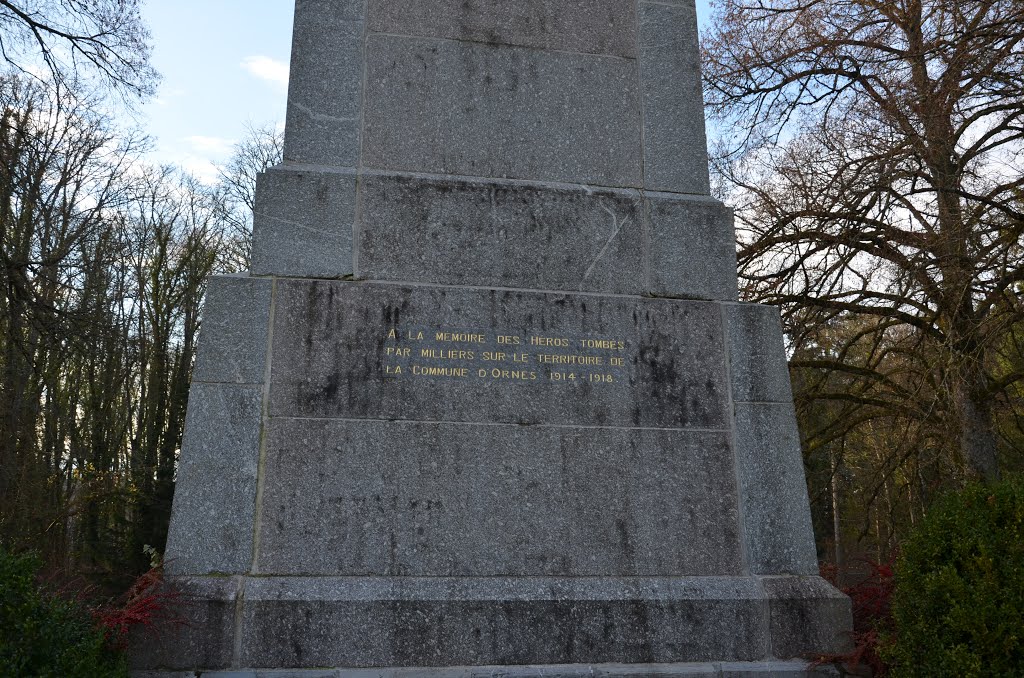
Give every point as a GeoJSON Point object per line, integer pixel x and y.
{"type": "Point", "coordinates": [549, 341]}
{"type": "Point", "coordinates": [397, 351]}
{"type": "Point", "coordinates": [460, 337]}
{"type": "Point", "coordinates": [603, 343]}
{"type": "Point", "coordinates": [492, 356]}
{"type": "Point", "coordinates": [432, 371]}
{"type": "Point", "coordinates": [445, 354]}
{"type": "Point", "coordinates": [392, 334]}
{"type": "Point", "coordinates": [503, 339]}
{"type": "Point", "coordinates": [572, 359]}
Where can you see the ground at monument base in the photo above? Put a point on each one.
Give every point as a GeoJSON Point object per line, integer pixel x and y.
{"type": "Point", "coordinates": [768, 669]}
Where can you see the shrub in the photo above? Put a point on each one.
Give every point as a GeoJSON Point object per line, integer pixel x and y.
{"type": "Point", "coordinates": [958, 608]}
{"type": "Point", "coordinates": [44, 635]}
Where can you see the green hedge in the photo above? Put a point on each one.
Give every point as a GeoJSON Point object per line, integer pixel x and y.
{"type": "Point", "coordinates": [43, 635]}
{"type": "Point", "coordinates": [958, 608]}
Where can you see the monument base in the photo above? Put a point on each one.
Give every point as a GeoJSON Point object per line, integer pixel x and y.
{"type": "Point", "coordinates": [770, 669]}
{"type": "Point", "coordinates": [303, 622]}
{"type": "Point", "coordinates": [400, 475]}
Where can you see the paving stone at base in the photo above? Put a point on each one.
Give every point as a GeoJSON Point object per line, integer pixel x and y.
{"type": "Point", "coordinates": [409, 621]}
{"type": "Point", "coordinates": [772, 669]}
{"type": "Point", "coordinates": [405, 498]}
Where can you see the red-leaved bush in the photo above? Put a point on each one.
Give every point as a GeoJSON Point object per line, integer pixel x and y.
{"type": "Point", "coordinates": [871, 597]}
{"type": "Point", "coordinates": [148, 604]}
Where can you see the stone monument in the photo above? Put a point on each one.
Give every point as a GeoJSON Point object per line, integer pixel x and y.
{"type": "Point", "coordinates": [486, 398]}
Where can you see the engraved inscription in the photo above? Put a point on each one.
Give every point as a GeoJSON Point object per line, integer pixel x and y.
{"type": "Point", "coordinates": [417, 352]}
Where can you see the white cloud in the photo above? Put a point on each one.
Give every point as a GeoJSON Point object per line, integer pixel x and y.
{"type": "Point", "coordinates": [265, 68]}
{"type": "Point", "coordinates": [211, 146]}
{"type": "Point", "coordinates": [201, 168]}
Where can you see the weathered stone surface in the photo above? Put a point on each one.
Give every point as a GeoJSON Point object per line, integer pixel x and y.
{"type": "Point", "coordinates": [302, 223]}
{"type": "Point", "coordinates": [331, 357]}
{"type": "Point", "coordinates": [589, 26]}
{"type": "Point", "coordinates": [776, 669]}
{"type": "Point", "coordinates": [675, 148]}
{"type": "Point", "coordinates": [214, 499]}
{"type": "Point", "coordinates": [434, 621]}
{"type": "Point", "coordinates": [776, 510]}
{"type": "Point", "coordinates": [233, 341]}
{"type": "Point", "coordinates": [765, 669]}
{"type": "Point", "coordinates": [757, 359]}
{"type": "Point", "coordinates": [206, 641]}
{"type": "Point", "coordinates": [808, 617]}
{"type": "Point", "coordinates": [693, 250]}
{"type": "Point", "coordinates": [417, 499]}
{"type": "Point", "coordinates": [504, 234]}
{"type": "Point", "coordinates": [470, 109]}
{"type": "Point", "coordinates": [325, 87]}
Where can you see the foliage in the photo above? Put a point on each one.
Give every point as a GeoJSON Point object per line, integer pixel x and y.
{"type": "Point", "coordinates": [44, 635]}
{"type": "Point", "coordinates": [146, 605]}
{"type": "Point", "coordinates": [875, 157]}
{"type": "Point", "coordinates": [958, 607]}
{"type": "Point", "coordinates": [103, 268]}
{"type": "Point", "coordinates": [871, 598]}
{"type": "Point", "coordinates": [101, 41]}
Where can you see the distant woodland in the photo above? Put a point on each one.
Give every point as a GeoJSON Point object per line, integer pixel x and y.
{"type": "Point", "coordinates": [872, 150]}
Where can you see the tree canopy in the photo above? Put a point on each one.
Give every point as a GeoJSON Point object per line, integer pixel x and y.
{"type": "Point", "coordinates": [873, 150]}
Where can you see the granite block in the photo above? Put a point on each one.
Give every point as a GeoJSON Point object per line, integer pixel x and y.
{"type": "Point", "coordinates": [500, 233]}
{"type": "Point", "coordinates": [762, 669]}
{"type": "Point", "coordinates": [809, 617]}
{"type": "Point", "coordinates": [674, 142]}
{"type": "Point", "coordinates": [233, 339]}
{"type": "Point", "coordinates": [449, 107]}
{"type": "Point", "coordinates": [205, 642]}
{"type": "Point", "coordinates": [211, 528]}
{"type": "Point", "coordinates": [588, 26]}
{"type": "Point", "coordinates": [354, 350]}
{"type": "Point", "coordinates": [325, 83]}
{"type": "Point", "coordinates": [757, 360]}
{"type": "Point", "coordinates": [688, 670]}
{"type": "Point", "coordinates": [303, 222]}
{"type": "Point", "coordinates": [776, 511]}
{"type": "Point", "coordinates": [692, 248]}
{"type": "Point", "coordinates": [434, 621]}
{"type": "Point", "coordinates": [776, 669]}
{"type": "Point", "coordinates": [421, 499]}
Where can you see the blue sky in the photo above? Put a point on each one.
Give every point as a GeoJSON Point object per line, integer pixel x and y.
{"type": "Point", "coordinates": [225, 66]}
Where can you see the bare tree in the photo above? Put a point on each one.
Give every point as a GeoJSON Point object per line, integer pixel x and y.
{"type": "Point", "coordinates": [874, 148]}
{"type": "Point", "coordinates": [72, 39]}
{"type": "Point", "coordinates": [262, 148]}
